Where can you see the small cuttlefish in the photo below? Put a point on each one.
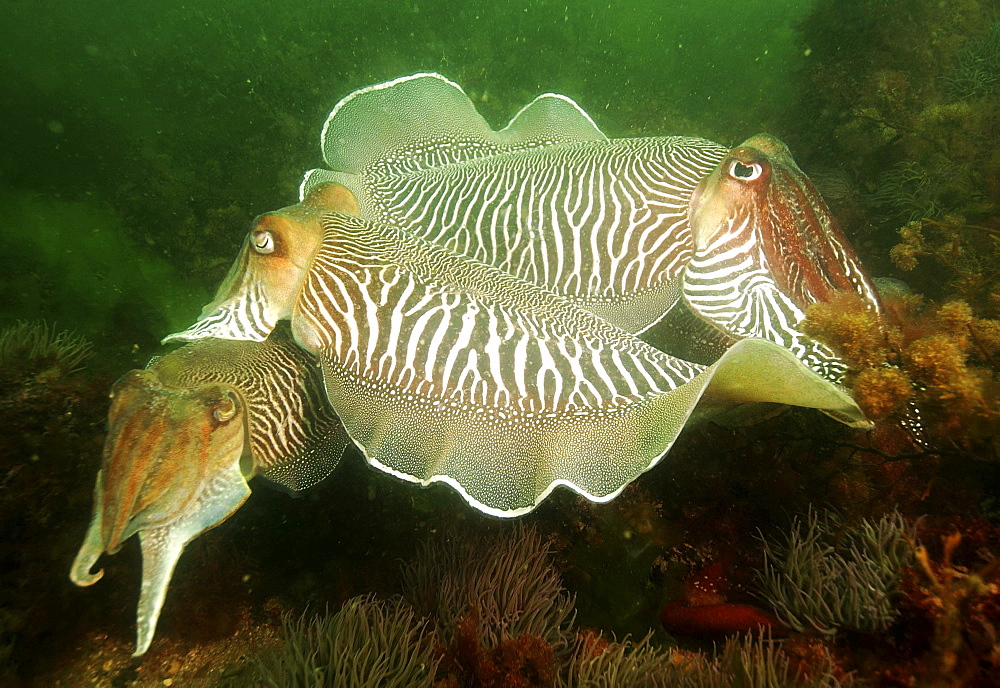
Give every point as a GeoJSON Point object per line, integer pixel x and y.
{"type": "Point", "coordinates": [186, 434]}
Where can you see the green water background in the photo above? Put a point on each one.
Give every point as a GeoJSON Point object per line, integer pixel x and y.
{"type": "Point", "coordinates": [140, 139]}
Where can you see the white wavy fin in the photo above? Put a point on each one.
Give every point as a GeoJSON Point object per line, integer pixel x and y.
{"type": "Point", "coordinates": [424, 120]}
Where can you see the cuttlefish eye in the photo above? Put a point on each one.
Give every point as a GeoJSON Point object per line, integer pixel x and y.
{"type": "Point", "coordinates": [263, 242]}
{"type": "Point", "coordinates": [745, 172]}
{"type": "Point", "coordinates": [225, 409]}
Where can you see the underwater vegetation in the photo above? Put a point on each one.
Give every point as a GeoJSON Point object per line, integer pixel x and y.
{"type": "Point", "coordinates": [365, 643]}
{"type": "Point", "coordinates": [903, 96]}
{"type": "Point", "coordinates": [828, 575]}
{"type": "Point", "coordinates": [965, 611]}
{"type": "Point", "coordinates": [523, 637]}
{"type": "Point", "coordinates": [38, 382]}
{"type": "Point", "coordinates": [962, 256]}
{"type": "Point", "coordinates": [949, 608]}
{"type": "Point", "coordinates": [975, 72]}
{"type": "Point", "coordinates": [749, 661]}
{"type": "Point", "coordinates": [936, 361]}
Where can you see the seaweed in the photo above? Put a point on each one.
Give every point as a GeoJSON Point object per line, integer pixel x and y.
{"type": "Point", "coordinates": [935, 365]}
{"type": "Point", "coordinates": [952, 612]}
{"type": "Point", "coordinates": [903, 96]}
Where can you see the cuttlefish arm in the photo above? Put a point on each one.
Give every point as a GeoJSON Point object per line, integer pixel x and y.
{"type": "Point", "coordinates": [766, 248]}
{"type": "Point", "coordinates": [184, 438]}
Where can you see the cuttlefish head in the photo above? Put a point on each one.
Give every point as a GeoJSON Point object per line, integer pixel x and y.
{"type": "Point", "coordinates": [174, 466]}
{"type": "Point", "coordinates": [262, 284]}
{"type": "Point", "coordinates": [766, 248]}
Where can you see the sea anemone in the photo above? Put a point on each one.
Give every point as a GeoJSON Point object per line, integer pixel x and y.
{"type": "Point", "coordinates": [367, 643]}
{"type": "Point", "coordinates": [976, 70]}
{"type": "Point", "coordinates": [906, 192]}
{"type": "Point", "coordinates": [39, 349]}
{"type": "Point", "coordinates": [753, 659]}
{"type": "Point", "coordinates": [607, 664]}
{"type": "Point", "coordinates": [829, 575]}
{"type": "Point", "coordinates": [508, 583]}
{"type": "Point", "coordinates": [756, 660]}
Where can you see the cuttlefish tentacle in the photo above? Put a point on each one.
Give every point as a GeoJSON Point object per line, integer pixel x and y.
{"type": "Point", "coordinates": [93, 542]}
{"type": "Point", "coordinates": [162, 547]}
{"type": "Point", "coordinates": [185, 436]}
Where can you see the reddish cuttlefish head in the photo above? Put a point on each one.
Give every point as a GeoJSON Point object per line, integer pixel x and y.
{"type": "Point", "coordinates": [766, 248]}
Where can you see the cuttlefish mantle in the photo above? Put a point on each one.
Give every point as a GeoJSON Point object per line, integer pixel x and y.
{"type": "Point", "coordinates": [656, 234]}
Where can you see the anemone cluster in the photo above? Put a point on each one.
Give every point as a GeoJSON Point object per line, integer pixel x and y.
{"type": "Point", "coordinates": [509, 584]}
{"type": "Point", "coordinates": [975, 72]}
{"type": "Point", "coordinates": [40, 347]}
{"type": "Point", "coordinates": [906, 192]}
{"type": "Point", "coordinates": [492, 613]}
{"type": "Point", "coordinates": [828, 575]}
{"type": "Point", "coordinates": [359, 645]}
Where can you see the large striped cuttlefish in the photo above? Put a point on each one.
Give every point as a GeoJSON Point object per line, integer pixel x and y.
{"type": "Point", "coordinates": [630, 229]}
{"type": "Point", "coordinates": [646, 231]}
{"type": "Point", "coordinates": [184, 437]}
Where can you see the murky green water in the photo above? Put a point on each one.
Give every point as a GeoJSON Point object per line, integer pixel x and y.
{"type": "Point", "coordinates": [165, 127]}
{"type": "Point", "coordinates": [139, 140]}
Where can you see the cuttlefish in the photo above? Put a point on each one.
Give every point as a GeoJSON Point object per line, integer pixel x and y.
{"type": "Point", "coordinates": [446, 369]}
{"type": "Point", "coordinates": [600, 236]}
{"type": "Point", "coordinates": [186, 434]}
{"type": "Point", "coordinates": [630, 229]}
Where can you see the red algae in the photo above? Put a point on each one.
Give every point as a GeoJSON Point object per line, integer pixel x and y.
{"type": "Point", "coordinates": [525, 661]}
